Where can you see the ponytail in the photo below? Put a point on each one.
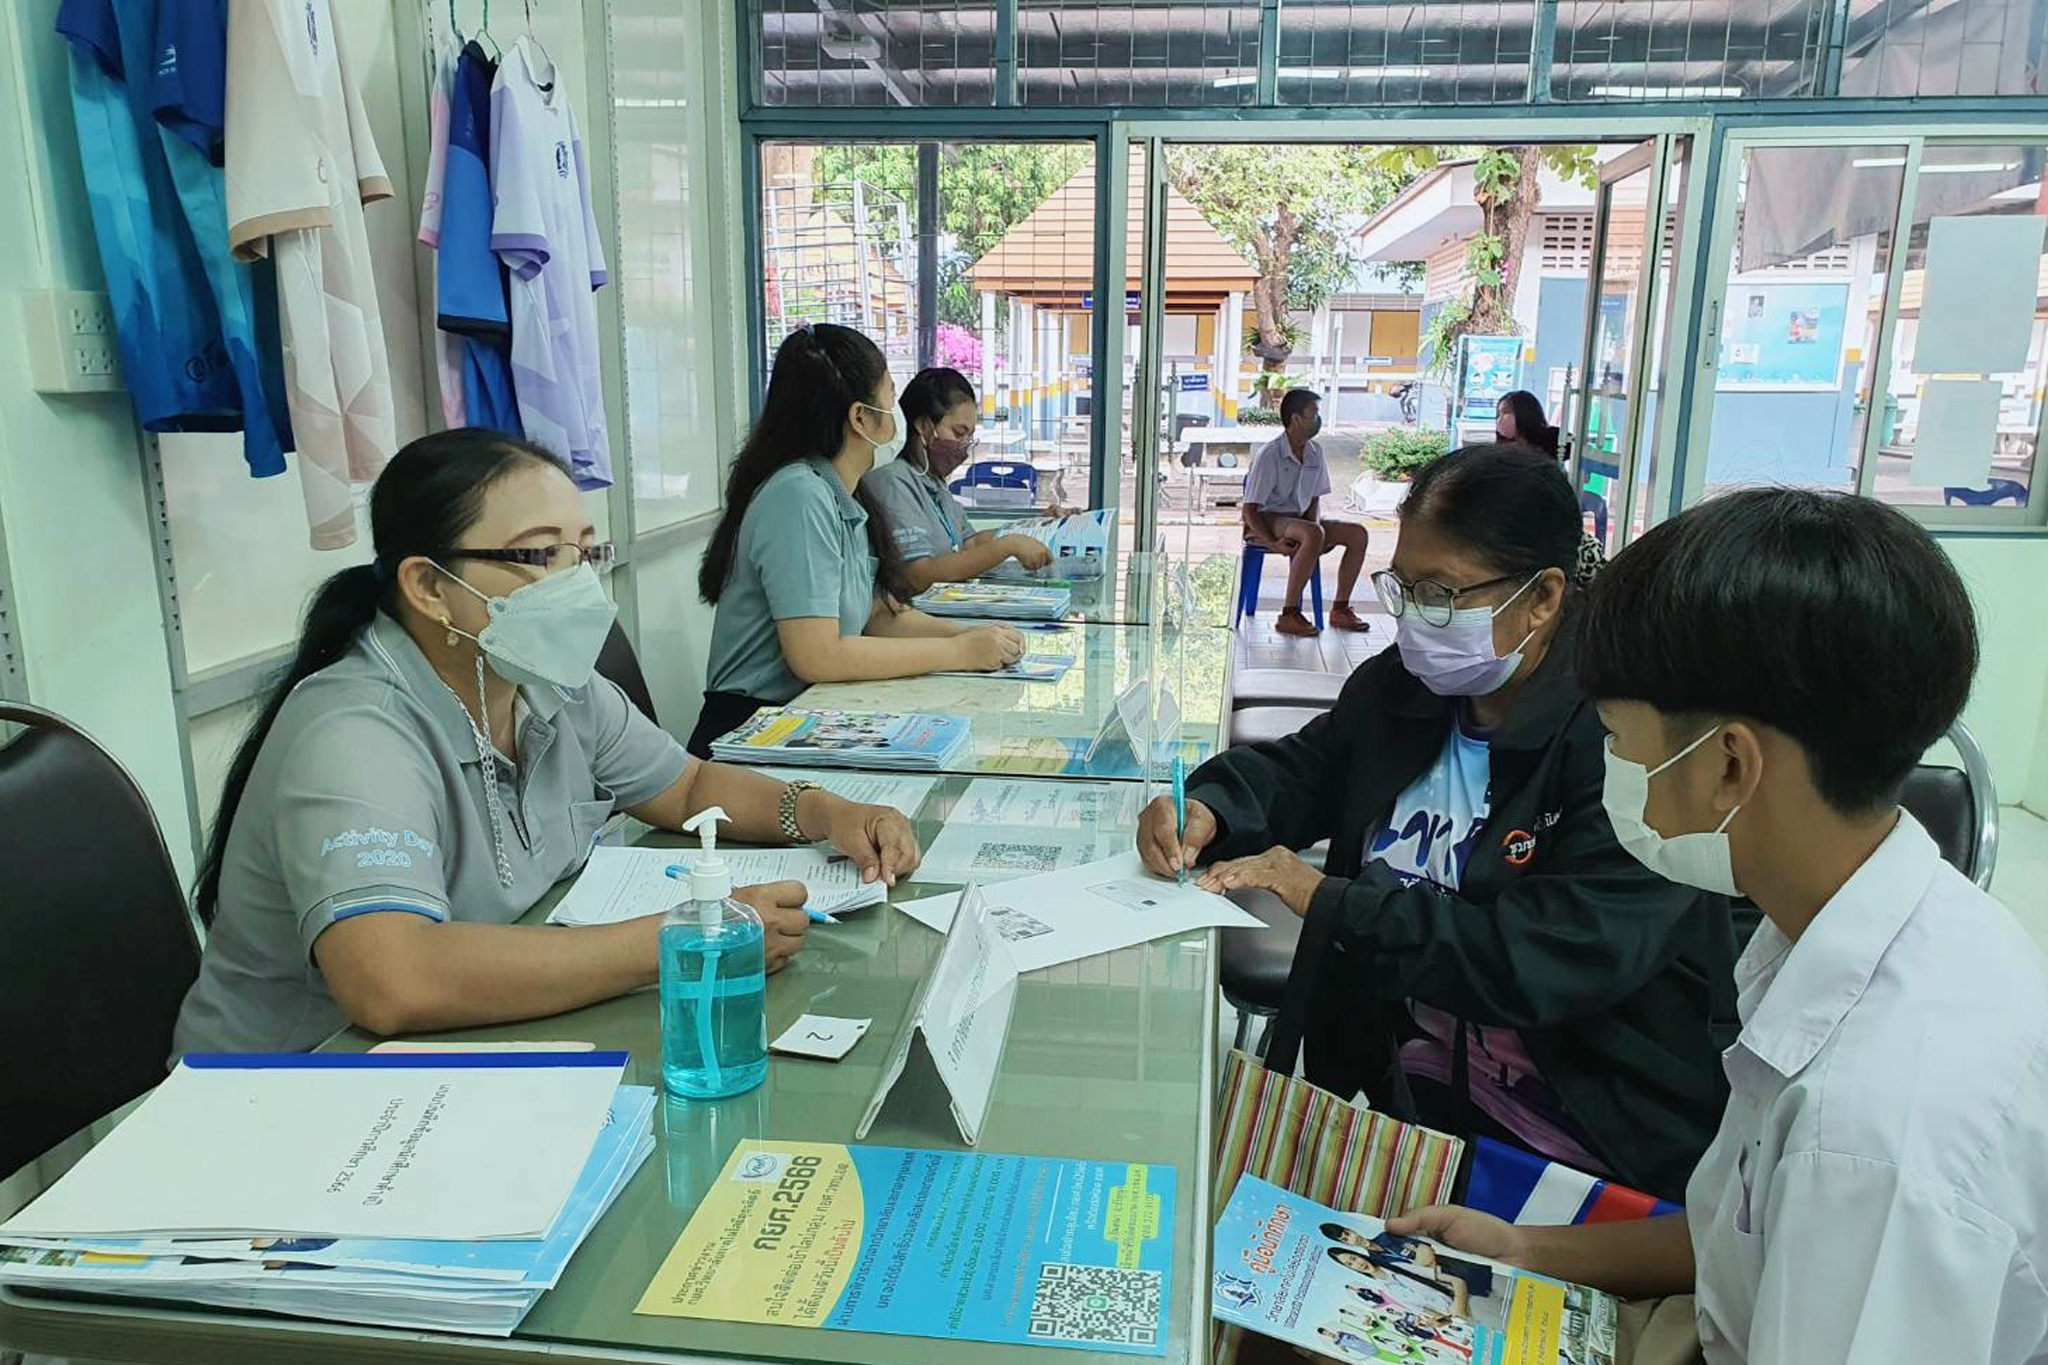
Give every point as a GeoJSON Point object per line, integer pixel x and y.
{"type": "Point", "coordinates": [337, 614]}
{"type": "Point", "coordinates": [430, 494]}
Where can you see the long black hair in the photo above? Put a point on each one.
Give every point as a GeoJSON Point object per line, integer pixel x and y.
{"type": "Point", "coordinates": [1531, 426]}
{"type": "Point", "coordinates": [1509, 503]}
{"type": "Point", "coordinates": [430, 494]}
{"type": "Point", "coordinates": [930, 396]}
{"type": "Point", "coordinates": [820, 372]}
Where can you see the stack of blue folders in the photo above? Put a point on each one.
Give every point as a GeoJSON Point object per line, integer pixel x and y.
{"type": "Point", "coordinates": [482, 1287]}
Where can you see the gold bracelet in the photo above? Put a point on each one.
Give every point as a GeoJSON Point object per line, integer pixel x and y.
{"type": "Point", "coordinates": [791, 791]}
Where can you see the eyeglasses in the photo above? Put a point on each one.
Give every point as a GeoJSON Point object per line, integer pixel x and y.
{"type": "Point", "coordinates": [1433, 601]}
{"type": "Point", "coordinates": [566, 554]}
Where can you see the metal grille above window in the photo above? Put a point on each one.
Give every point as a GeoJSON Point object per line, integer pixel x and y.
{"type": "Point", "coordinates": [1687, 49]}
{"type": "Point", "coordinates": [1374, 52]}
{"type": "Point", "coordinates": [876, 54]}
{"type": "Point", "coordinates": [1147, 54]}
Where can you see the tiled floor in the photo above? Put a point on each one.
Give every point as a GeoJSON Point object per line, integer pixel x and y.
{"type": "Point", "coordinates": [2021, 880]}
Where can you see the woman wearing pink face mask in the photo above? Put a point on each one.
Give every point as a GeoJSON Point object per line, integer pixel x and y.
{"type": "Point", "coordinates": [1478, 952]}
{"type": "Point", "coordinates": [940, 417]}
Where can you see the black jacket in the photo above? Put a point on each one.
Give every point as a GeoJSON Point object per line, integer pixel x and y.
{"type": "Point", "coordinates": [1620, 983]}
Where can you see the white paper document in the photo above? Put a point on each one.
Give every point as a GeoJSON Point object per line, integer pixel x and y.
{"type": "Point", "coordinates": [963, 1011]}
{"type": "Point", "coordinates": [1957, 430]}
{"type": "Point", "coordinates": [626, 883]}
{"type": "Point", "coordinates": [905, 794]}
{"type": "Point", "coordinates": [1003, 828]}
{"type": "Point", "coordinates": [1097, 907]}
{"type": "Point", "coordinates": [458, 1148]}
{"type": "Point", "coordinates": [818, 1035]}
{"type": "Point", "coordinates": [1977, 304]}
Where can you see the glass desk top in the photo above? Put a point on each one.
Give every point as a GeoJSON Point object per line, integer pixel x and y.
{"type": "Point", "coordinates": [1046, 729]}
{"type": "Point", "coordinates": [1110, 1058]}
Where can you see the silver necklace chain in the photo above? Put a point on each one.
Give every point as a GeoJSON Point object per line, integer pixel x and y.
{"type": "Point", "coordinates": [488, 756]}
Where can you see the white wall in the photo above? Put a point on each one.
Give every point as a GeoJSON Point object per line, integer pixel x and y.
{"type": "Point", "coordinates": [2008, 711]}
{"type": "Point", "coordinates": [89, 621]}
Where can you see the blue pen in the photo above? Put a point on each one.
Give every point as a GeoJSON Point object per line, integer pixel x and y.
{"type": "Point", "coordinates": [815, 915]}
{"type": "Point", "coordinates": [1180, 812]}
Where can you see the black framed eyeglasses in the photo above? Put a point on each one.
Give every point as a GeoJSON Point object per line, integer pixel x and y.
{"type": "Point", "coordinates": [1434, 602]}
{"type": "Point", "coordinates": [565, 554]}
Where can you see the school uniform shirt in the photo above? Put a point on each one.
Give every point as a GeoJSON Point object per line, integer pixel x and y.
{"type": "Point", "coordinates": [470, 295]}
{"type": "Point", "coordinates": [803, 551]}
{"type": "Point", "coordinates": [1426, 840]}
{"type": "Point", "coordinates": [1282, 486]}
{"type": "Point", "coordinates": [924, 516]}
{"type": "Point", "coordinates": [368, 798]}
{"type": "Point", "coordinates": [545, 231]}
{"type": "Point", "coordinates": [174, 363]}
{"type": "Point", "coordinates": [1879, 1186]}
{"type": "Point", "coordinates": [188, 98]}
{"type": "Point", "coordinates": [447, 347]}
{"type": "Point", "coordinates": [300, 166]}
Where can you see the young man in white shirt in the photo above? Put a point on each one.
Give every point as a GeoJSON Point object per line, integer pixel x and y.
{"type": "Point", "coordinates": [1771, 665]}
{"type": "Point", "coordinates": [1282, 511]}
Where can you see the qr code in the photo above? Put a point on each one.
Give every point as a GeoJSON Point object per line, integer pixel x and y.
{"type": "Point", "coordinates": [1014, 925]}
{"type": "Point", "coordinates": [1018, 857]}
{"type": "Point", "coordinates": [1096, 1303]}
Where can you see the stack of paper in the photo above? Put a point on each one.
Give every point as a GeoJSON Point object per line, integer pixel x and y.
{"type": "Point", "coordinates": [997, 601]}
{"type": "Point", "coordinates": [431, 1192]}
{"type": "Point", "coordinates": [883, 740]}
{"type": "Point", "coordinates": [626, 883]}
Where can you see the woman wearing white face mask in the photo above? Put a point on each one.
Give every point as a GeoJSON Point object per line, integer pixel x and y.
{"type": "Point", "coordinates": [804, 567]}
{"type": "Point", "coordinates": [1772, 665]}
{"type": "Point", "coordinates": [940, 418]}
{"type": "Point", "coordinates": [439, 754]}
{"type": "Point", "coordinates": [1479, 952]}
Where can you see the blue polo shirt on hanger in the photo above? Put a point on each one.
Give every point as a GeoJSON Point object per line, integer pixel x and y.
{"type": "Point", "coordinates": [174, 360]}
{"type": "Point", "coordinates": [472, 302]}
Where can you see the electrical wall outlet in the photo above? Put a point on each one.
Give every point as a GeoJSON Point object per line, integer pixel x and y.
{"type": "Point", "coordinates": [70, 335]}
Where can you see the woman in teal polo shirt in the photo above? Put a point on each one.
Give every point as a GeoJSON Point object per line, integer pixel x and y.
{"type": "Point", "coordinates": [805, 573]}
{"type": "Point", "coordinates": [930, 525]}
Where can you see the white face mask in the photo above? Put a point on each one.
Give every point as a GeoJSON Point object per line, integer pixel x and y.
{"type": "Point", "coordinates": [1702, 860]}
{"type": "Point", "coordinates": [549, 632]}
{"type": "Point", "coordinates": [1458, 660]}
{"type": "Point", "coordinates": [891, 448]}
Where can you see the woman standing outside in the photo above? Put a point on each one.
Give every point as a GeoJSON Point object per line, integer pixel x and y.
{"type": "Point", "coordinates": [807, 579]}
{"type": "Point", "coordinates": [938, 546]}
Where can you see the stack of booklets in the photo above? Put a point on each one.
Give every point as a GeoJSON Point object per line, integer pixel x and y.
{"type": "Point", "coordinates": [884, 741]}
{"type": "Point", "coordinates": [425, 1191]}
{"type": "Point", "coordinates": [1340, 1285]}
{"type": "Point", "coordinates": [998, 601]}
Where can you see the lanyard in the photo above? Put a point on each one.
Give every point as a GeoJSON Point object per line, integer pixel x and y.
{"type": "Point", "coordinates": [931, 493]}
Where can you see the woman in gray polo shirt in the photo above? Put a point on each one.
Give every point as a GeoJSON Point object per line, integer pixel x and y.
{"type": "Point", "coordinates": [938, 546]}
{"type": "Point", "coordinates": [805, 573]}
{"type": "Point", "coordinates": [439, 754]}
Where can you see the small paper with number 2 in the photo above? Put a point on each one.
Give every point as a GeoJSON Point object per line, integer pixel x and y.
{"type": "Point", "coordinates": [817, 1035]}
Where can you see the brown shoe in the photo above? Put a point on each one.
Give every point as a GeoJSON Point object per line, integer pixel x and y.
{"type": "Point", "coordinates": [1294, 623]}
{"type": "Point", "coordinates": [1343, 618]}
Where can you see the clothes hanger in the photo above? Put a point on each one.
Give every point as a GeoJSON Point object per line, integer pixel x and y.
{"type": "Point", "coordinates": [484, 34]}
{"type": "Point", "coordinates": [531, 38]}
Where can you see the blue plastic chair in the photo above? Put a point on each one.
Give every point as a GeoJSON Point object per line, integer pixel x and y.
{"type": "Point", "coordinates": [998, 474]}
{"type": "Point", "coordinates": [1254, 564]}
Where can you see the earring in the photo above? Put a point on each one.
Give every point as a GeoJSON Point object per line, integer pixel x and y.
{"type": "Point", "coordinates": [449, 626]}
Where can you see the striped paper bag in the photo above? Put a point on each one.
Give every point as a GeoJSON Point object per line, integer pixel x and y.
{"type": "Point", "coordinates": [1286, 1131]}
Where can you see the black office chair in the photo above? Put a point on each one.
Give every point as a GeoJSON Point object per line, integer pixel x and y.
{"type": "Point", "coordinates": [620, 664]}
{"type": "Point", "coordinates": [99, 946]}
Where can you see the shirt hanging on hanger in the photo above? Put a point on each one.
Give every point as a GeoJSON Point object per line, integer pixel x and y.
{"type": "Point", "coordinates": [546, 233]}
{"type": "Point", "coordinates": [300, 166]}
{"type": "Point", "coordinates": [188, 97]}
{"type": "Point", "coordinates": [173, 359]}
{"type": "Point", "coordinates": [447, 347]}
{"type": "Point", "coordinates": [470, 279]}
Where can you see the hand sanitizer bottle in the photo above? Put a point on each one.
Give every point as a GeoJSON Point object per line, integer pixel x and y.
{"type": "Point", "coordinates": [714, 1020]}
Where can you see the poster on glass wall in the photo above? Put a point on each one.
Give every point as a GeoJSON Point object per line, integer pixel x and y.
{"type": "Point", "coordinates": [1785, 335]}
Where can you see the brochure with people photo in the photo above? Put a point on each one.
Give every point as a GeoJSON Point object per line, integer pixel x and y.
{"type": "Point", "coordinates": [1342, 1286]}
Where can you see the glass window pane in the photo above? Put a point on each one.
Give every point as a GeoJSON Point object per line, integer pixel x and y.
{"type": "Point", "coordinates": [1686, 49]}
{"type": "Point", "coordinates": [1422, 52]}
{"type": "Point", "coordinates": [1807, 280]}
{"type": "Point", "coordinates": [876, 53]}
{"type": "Point", "coordinates": [1013, 268]}
{"type": "Point", "coordinates": [1973, 47]}
{"type": "Point", "coordinates": [1147, 53]}
{"type": "Point", "coordinates": [1969, 357]}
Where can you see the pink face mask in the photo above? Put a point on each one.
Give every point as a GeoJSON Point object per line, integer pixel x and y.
{"type": "Point", "coordinates": [942, 456]}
